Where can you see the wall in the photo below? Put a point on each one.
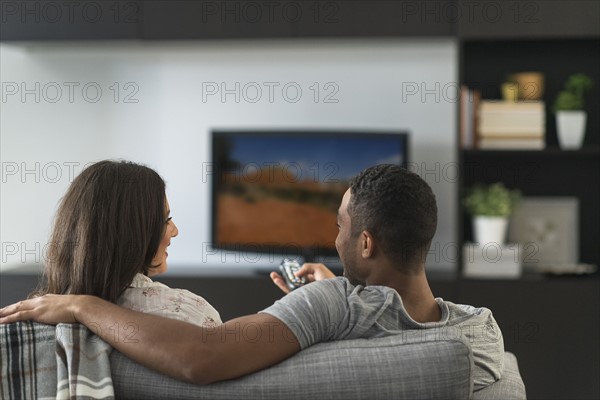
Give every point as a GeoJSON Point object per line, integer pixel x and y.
{"type": "Point", "coordinates": [390, 84]}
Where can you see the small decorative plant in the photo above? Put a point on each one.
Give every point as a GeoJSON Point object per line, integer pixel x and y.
{"type": "Point", "coordinates": [571, 98]}
{"type": "Point", "coordinates": [494, 200]}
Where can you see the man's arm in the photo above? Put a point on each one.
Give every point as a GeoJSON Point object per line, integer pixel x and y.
{"type": "Point", "coordinates": [175, 348]}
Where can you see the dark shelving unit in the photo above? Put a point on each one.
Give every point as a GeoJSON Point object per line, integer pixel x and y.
{"type": "Point", "coordinates": [484, 65]}
{"type": "Point", "coordinates": [531, 310]}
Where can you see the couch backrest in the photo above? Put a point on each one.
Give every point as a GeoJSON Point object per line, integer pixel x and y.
{"type": "Point", "coordinates": [397, 367]}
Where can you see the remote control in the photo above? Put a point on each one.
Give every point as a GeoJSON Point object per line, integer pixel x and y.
{"type": "Point", "coordinates": [288, 267]}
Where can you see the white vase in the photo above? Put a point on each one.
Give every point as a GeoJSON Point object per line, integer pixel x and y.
{"type": "Point", "coordinates": [571, 129]}
{"type": "Point", "coordinates": [490, 229]}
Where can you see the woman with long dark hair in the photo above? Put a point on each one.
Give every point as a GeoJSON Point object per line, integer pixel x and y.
{"type": "Point", "coordinates": [111, 232]}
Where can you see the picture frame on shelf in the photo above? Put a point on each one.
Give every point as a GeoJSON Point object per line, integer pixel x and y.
{"type": "Point", "coordinates": [548, 230]}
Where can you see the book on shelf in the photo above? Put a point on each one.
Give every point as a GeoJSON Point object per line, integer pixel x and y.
{"type": "Point", "coordinates": [511, 107]}
{"type": "Point", "coordinates": [511, 143]}
{"type": "Point", "coordinates": [515, 132]}
{"type": "Point", "coordinates": [469, 103]}
{"type": "Point", "coordinates": [466, 139]}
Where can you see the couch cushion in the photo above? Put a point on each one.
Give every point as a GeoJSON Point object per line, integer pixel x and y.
{"type": "Point", "coordinates": [399, 367]}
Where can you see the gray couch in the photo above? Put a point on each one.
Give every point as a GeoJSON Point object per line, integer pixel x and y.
{"type": "Point", "coordinates": [395, 367]}
{"type": "Point", "coordinates": [427, 365]}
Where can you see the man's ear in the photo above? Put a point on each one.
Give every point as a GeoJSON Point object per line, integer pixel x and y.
{"type": "Point", "coordinates": [367, 244]}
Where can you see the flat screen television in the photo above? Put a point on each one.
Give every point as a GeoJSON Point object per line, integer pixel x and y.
{"type": "Point", "coordinates": [279, 191]}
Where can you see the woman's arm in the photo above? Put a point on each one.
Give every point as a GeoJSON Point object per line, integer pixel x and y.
{"type": "Point", "coordinates": [175, 348]}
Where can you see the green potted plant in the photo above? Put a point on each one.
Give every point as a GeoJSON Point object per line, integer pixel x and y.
{"type": "Point", "coordinates": [491, 206]}
{"type": "Point", "coordinates": [570, 116]}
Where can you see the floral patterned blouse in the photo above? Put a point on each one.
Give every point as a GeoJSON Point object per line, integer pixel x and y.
{"type": "Point", "coordinates": [151, 297]}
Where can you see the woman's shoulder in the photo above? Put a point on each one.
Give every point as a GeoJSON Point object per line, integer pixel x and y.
{"type": "Point", "coordinates": [151, 297]}
{"type": "Point", "coordinates": [142, 281]}
{"type": "Point", "coordinates": [143, 287]}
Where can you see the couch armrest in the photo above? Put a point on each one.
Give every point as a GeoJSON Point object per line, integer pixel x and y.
{"type": "Point", "coordinates": [509, 387]}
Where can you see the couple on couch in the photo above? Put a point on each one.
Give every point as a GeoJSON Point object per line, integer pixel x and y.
{"type": "Point", "coordinates": [112, 231]}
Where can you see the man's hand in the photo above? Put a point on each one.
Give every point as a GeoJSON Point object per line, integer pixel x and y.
{"type": "Point", "coordinates": [311, 271]}
{"type": "Point", "coordinates": [49, 309]}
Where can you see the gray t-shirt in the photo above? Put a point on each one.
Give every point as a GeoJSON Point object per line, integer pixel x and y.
{"type": "Point", "coordinates": [334, 309]}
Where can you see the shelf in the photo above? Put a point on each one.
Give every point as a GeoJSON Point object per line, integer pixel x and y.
{"type": "Point", "coordinates": [548, 152]}
{"type": "Point", "coordinates": [550, 172]}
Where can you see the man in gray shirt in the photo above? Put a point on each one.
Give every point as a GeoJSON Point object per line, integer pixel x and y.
{"type": "Point", "coordinates": [386, 222]}
{"type": "Point", "coordinates": [334, 309]}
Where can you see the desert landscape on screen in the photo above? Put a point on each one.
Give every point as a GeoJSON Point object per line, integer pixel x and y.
{"type": "Point", "coordinates": [254, 209]}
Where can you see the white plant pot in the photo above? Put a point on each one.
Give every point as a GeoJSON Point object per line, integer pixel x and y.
{"type": "Point", "coordinates": [490, 229]}
{"type": "Point", "coordinates": [571, 128]}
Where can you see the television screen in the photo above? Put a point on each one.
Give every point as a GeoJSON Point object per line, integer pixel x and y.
{"type": "Point", "coordinates": [279, 191]}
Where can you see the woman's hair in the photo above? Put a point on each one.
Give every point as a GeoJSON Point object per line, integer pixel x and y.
{"type": "Point", "coordinates": [107, 229]}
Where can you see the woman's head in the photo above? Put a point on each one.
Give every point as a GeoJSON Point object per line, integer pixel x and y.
{"type": "Point", "coordinates": [111, 224]}
{"type": "Point", "coordinates": [159, 262]}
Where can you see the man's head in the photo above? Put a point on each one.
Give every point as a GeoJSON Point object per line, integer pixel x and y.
{"type": "Point", "coordinates": [393, 211]}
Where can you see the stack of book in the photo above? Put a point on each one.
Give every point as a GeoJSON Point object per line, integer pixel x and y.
{"type": "Point", "coordinates": [511, 125]}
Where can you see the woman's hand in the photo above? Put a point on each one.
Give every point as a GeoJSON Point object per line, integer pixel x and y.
{"type": "Point", "coordinates": [311, 271]}
{"type": "Point", "coordinates": [49, 309]}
